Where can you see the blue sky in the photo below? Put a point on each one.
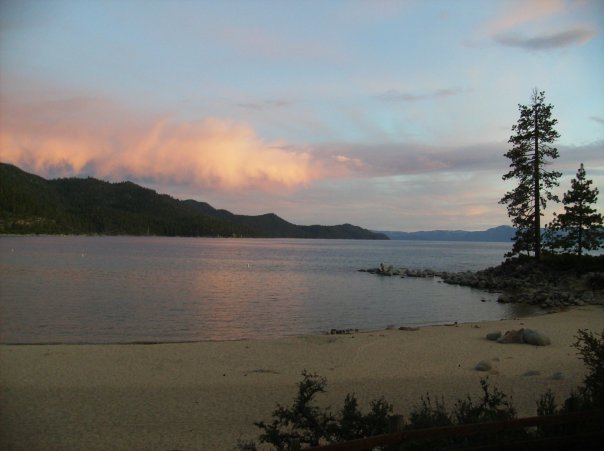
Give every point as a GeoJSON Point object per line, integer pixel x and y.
{"type": "Point", "coordinates": [392, 115]}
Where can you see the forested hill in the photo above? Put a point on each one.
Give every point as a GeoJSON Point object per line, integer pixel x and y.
{"type": "Point", "coordinates": [496, 234]}
{"type": "Point", "coordinates": [32, 204]}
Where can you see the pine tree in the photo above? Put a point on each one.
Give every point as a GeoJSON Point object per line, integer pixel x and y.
{"type": "Point", "coordinates": [580, 226]}
{"type": "Point", "coordinates": [529, 155]}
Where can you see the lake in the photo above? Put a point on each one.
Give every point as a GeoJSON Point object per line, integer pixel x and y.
{"type": "Point", "coordinates": [159, 289]}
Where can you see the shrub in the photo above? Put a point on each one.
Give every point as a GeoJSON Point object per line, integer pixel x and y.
{"type": "Point", "coordinates": [306, 423]}
{"type": "Point", "coordinates": [591, 351]}
{"type": "Point", "coordinates": [588, 396]}
{"type": "Point", "coordinates": [352, 423]}
{"type": "Point", "coordinates": [492, 406]}
{"type": "Point", "coordinates": [546, 404]}
{"type": "Point", "coordinates": [427, 415]}
{"type": "Point", "coordinates": [303, 421]}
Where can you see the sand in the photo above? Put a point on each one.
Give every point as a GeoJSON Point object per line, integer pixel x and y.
{"type": "Point", "coordinates": [207, 395]}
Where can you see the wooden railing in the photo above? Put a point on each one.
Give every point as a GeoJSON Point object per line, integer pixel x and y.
{"type": "Point", "coordinates": [589, 437]}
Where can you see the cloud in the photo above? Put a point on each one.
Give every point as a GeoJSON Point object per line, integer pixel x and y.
{"type": "Point", "coordinates": [87, 136]}
{"type": "Point", "coordinates": [393, 95]}
{"type": "Point", "coordinates": [529, 25]}
{"type": "Point", "coordinates": [520, 12]}
{"type": "Point", "coordinates": [265, 105]}
{"type": "Point", "coordinates": [574, 36]}
{"type": "Point", "coordinates": [599, 120]}
{"type": "Point", "coordinates": [263, 43]}
{"type": "Point", "coordinates": [395, 159]}
{"type": "Point", "coordinates": [356, 163]}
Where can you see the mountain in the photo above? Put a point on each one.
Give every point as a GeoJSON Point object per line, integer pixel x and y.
{"type": "Point", "coordinates": [495, 234]}
{"type": "Point", "coordinates": [32, 204]}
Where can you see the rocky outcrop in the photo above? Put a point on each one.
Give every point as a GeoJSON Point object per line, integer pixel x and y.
{"type": "Point", "coordinates": [522, 336]}
{"type": "Point", "coordinates": [519, 282]}
{"type": "Point", "coordinates": [343, 331]}
{"type": "Point", "coordinates": [534, 284]}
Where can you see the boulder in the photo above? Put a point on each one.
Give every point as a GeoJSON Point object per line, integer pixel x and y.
{"type": "Point", "coordinates": [483, 365]}
{"type": "Point", "coordinates": [512, 336]}
{"type": "Point", "coordinates": [503, 299]}
{"type": "Point", "coordinates": [385, 270]}
{"type": "Point", "coordinates": [533, 337]}
{"type": "Point", "coordinates": [494, 336]}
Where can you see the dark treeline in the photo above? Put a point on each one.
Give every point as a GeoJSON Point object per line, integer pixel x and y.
{"type": "Point", "coordinates": [33, 205]}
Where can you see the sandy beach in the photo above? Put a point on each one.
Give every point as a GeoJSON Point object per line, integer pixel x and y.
{"type": "Point", "coordinates": [207, 395]}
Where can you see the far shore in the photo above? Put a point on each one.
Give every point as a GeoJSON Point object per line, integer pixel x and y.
{"type": "Point", "coordinates": [207, 395]}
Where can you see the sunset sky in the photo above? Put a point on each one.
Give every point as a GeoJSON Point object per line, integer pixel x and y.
{"type": "Point", "coordinates": [391, 115]}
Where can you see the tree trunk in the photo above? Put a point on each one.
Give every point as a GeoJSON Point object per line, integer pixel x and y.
{"type": "Point", "coordinates": [536, 193]}
{"type": "Point", "coordinates": [580, 238]}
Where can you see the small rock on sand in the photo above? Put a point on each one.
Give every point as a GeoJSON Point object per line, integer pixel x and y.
{"type": "Point", "coordinates": [483, 365]}
{"type": "Point", "coordinates": [532, 373]}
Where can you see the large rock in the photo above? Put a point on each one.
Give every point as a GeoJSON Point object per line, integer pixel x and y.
{"type": "Point", "coordinates": [532, 337]}
{"type": "Point", "coordinates": [512, 336]}
{"type": "Point", "coordinates": [504, 298]}
{"type": "Point", "coordinates": [385, 270]}
{"type": "Point", "coordinates": [494, 336]}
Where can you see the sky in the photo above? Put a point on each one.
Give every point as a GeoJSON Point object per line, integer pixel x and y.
{"type": "Point", "coordinates": [391, 115]}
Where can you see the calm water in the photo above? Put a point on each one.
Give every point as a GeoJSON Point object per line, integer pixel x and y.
{"type": "Point", "coordinates": [125, 289]}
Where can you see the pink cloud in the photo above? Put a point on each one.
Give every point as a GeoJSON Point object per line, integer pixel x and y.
{"type": "Point", "coordinates": [540, 25]}
{"type": "Point", "coordinates": [88, 136]}
{"type": "Point", "coordinates": [518, 13]}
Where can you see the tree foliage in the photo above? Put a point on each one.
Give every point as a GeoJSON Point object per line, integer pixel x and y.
{"type": "Point", "coordinates": [306, 423]}
{"type": "Point", "coordinates": [530, 154]}
{"type": "Point", "coordinates": [591, 351]}
{"type": "Point", "coordinates": [580, 227]}
{"type": "Point", "coordinates": [31, 204]}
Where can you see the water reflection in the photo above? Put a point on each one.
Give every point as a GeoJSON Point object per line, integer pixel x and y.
{"type": "Point", "coordinates": [116, 289]}
{"type": "Point", "coordinates": [250, 302]}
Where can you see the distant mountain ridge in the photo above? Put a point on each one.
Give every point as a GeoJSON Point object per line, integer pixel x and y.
{"type": "Point", "coordinates": [496, 234]}
{"type": "Point", "coordinates": [32, 204]}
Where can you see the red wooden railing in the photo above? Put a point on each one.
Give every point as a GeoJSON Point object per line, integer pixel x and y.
{"type": "Point", "coordinates": [589, 437]}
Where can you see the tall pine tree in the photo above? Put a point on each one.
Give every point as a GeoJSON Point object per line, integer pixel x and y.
{"type": "Point", "coordinates": [530, 154]}
{"type": "Point", "coordinates": [580, 226]}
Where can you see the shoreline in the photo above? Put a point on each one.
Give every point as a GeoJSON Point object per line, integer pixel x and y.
{"type": "Point", "coordinates": [264, 338]}
{"type": "Point", "coordinates": [207, 395]}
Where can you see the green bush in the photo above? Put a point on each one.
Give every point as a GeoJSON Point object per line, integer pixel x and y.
{"type": "Point", "coordinates": [492, 406]}
{"type": "Point", "coordinates": [591, 394]}
{"type": "Point", "coordinates": [546, 404]}
{"type": "Point", "coordinates": [352, 423]}
{"type": "Point", "coordinates": [427, 415]}
{"type": "Point", "coordinates": [306, 423]}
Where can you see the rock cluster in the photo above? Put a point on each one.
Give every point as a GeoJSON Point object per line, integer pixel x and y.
{"type": "Point", "coordinates": [519, 282]}
{"type": "Point", "coordinates": [534, 284]}
{"type": "Point", "coordinates": [522, 336]}
{"type": "Point", "coordinates": [389, 270]}
{"type": "Point", "coordinates": [342, 331]}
